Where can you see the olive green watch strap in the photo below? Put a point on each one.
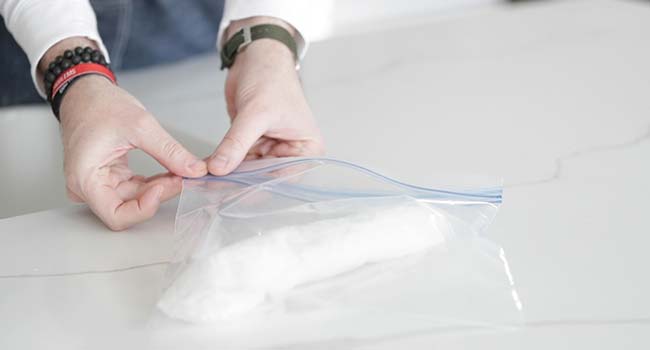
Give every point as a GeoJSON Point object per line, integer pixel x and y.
{"type": "Point", "coordinates": [247, 35]}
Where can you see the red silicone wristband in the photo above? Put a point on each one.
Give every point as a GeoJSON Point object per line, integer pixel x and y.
{"type": "Point", "coordinates": [79, 70]}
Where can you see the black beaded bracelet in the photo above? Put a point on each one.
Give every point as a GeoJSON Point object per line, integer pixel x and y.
{"type": "Point", "coordinates": [69, 59]}
{"type": "Point", "coordinates": [63, 63]}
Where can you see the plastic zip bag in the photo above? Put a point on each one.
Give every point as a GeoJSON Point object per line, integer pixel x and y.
{"type": "Point", "coordinates": [285, 238]}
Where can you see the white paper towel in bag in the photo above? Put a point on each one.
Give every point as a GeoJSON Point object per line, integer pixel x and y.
{"type": "Point", "coordinates": [239, 277]}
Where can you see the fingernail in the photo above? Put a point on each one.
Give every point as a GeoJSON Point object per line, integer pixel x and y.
{"type": "Point", "coordinates": [219, 161]}
{"type": "Point", "coordinates": [197, 166]}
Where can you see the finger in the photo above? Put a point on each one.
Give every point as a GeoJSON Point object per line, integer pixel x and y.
{"type": "Point", "coordinates": [137, 185]}
{"type": "Point", "coordinates": [261, 148]}
{"type": "Point", "coordinates": [139, 178]}
{"type": "Point", "coordinates": [170, 153]}
{"type": "Point", "coordinates": [129, 189]}
{"type": "Point", "coordinates": [296, 149]}
{"type": "Point", "coordinates": [120, 172]}
{"type": "Point", "coordinates": [243, 133]}
{"type": "Point", "coordinates": [252, 157]}
{"type": "Point", "coordinates": [259, 142]}
{"type": "Point", "coordinates": [171, 183]}
{"type": "Point", "coordinates": [74, 197]}
{"type": "Point", "coordinates": [118, 214]}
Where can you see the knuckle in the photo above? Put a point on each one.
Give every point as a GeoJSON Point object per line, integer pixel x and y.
{"type": "Point", "coordinates": [71, 181]}
{"type": "Point", "coordinates": [172, 148]}
{"type": "Point", "coordinates": [141, 122]}
{"type": "Point", "coordinates": [70, 195]}
{"type": "Point", "coordinates": [149, 213]}
{"type": "Point", "coordinates": [115, 226]}
{"type": "Point", "coordinates": [236, 143]}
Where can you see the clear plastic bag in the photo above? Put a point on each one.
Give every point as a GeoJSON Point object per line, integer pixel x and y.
{"type": "Point", "coordinates": [314, 239]}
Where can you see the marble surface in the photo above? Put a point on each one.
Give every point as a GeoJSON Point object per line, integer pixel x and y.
{"type": "Point", "coordinates": [551, 96]}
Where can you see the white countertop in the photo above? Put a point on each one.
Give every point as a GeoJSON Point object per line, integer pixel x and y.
{"type": "Point", "coordinates": [552, 96]}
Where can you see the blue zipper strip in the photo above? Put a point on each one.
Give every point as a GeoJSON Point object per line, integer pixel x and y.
{"type": "Point", "coordinates": [489, 195]}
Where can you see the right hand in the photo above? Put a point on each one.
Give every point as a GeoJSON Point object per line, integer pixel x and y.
{"type": "Point", "coordinates": [101, 123]}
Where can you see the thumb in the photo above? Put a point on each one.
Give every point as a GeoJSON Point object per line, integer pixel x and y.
{"type": "Point", "coordinates": [169, 153]}
{"type": "Point", "coordinates": [243, 133]}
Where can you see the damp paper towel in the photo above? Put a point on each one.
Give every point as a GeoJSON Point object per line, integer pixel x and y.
{"type": "Point", "coordinates": [237, 278]}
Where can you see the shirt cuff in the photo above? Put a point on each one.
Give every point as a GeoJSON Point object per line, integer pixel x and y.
{"type": "Point", "coordinates": [304, 16]}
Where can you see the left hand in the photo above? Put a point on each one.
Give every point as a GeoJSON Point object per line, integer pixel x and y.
{"type": "Point", "coordinates": [269, 113]}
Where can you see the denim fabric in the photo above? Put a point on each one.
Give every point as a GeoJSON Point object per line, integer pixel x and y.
{"type": "Point", "coordinates": [137, 33]}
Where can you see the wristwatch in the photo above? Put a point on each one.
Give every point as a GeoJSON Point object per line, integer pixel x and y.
{"type": "Point", "coordinates": [247, 35]}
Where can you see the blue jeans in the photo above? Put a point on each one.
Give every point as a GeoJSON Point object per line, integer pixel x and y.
{"type": "Point", "coordinates": [137, 33]}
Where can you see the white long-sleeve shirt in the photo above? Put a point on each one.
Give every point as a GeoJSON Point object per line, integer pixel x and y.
{"type": "Point", "coordinates": [39, 24]}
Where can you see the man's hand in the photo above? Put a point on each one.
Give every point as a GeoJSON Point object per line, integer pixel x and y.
{"type": "Point", "coordinates": [100, 124]}
{"type": "Point", "coordinates": [269, 114]}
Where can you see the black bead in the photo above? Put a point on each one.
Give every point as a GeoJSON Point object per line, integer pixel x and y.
{"type": "Point", "coordinates": [76, 60]}
{"type": "Point", "coordinates": [88, 50]}
{"type": "Point", "coordinates": [95, 58]}
{"type": "Point", "coordinates": [48, 86]}
{"type": "Point", "coordinates": [50, 77]}
{"type": "Point", "coordinates": [85, 57]}
{"type": "Point", "coordinates": [102, 60]}
{"type": "Point", "coordinates": [78, 50]}
{"type": "Point", "coordinates": [51, 66]}
{"type": "Point", "coordinates": [56, 70]}
{"type": "Point", "coordinates": [66, 63]}
{"type": "Point", "coordinates": [68, 54]}
{"type": "Point", "coordinates": [58, 59]}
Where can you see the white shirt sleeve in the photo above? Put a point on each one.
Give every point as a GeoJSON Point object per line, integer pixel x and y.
{"type": "Point", "coordinates": [309, 18]}
{"type": "Point", "coordinates": [39, 24]}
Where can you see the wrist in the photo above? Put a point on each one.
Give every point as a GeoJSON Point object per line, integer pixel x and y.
{"type": "Point", "coordinates": [65, 69]}
{"type": "Point", "coordinates": [266, 52]}
{"type": "Point", "coordinates": [263, 43]}
{"type": "Point", "coordinates": [271, 39]}
{"type": "Point", "coordinates": [84, 90]}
